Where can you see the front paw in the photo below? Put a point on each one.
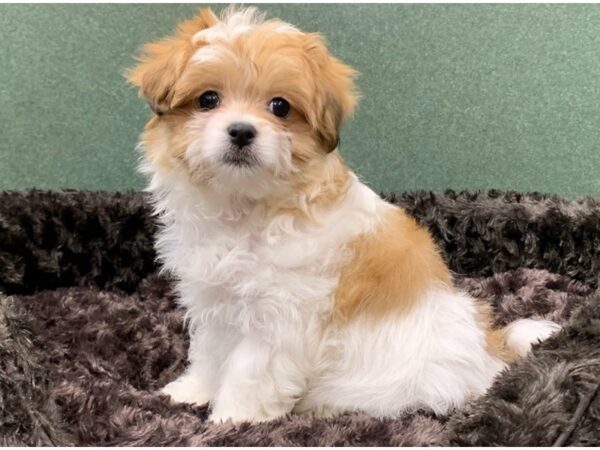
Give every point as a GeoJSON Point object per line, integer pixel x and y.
{"type": "Point", "coordinates": [187, 389]}
{"type": "Point", "coordinates": [237, 414]}
{"type": "Point", "coordinates": [236, 418]}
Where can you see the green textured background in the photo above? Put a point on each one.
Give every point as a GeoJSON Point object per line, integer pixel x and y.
{"type": "Point", "coordinates": [454, 96]}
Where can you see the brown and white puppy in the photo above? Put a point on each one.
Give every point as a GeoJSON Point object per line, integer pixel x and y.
{"type": "Point", "coordinates": [304, 290]}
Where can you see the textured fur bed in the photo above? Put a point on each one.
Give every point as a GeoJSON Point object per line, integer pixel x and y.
{"type": "Point", "coordinates": [88, 330]}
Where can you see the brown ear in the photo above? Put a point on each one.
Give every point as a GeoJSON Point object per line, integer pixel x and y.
{"type": "Point", "coordinates": [337, 95]}
{"type": "Point", "coordinates": [161, 63]}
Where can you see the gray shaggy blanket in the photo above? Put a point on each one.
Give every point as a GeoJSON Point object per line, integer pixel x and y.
{"type": "Point", "coordinates": [89, 331]}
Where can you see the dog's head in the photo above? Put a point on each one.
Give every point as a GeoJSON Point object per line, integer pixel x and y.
{"type": "Point", "coordinates": [242, 104]}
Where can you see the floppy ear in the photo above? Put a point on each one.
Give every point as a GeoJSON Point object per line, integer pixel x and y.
{"type": "Point", "coordinates": [161, 63]}
{"type": "Point", "coordinates": [336, 93]}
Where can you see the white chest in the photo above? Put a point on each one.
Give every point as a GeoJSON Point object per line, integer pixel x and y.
{"type": "Point", "coordinates": [247, 268]}
{"type": "Point", "coordinates": [252, 266]}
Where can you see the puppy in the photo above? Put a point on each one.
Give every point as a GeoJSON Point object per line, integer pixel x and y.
{"type": "Point", "coordinates": [304, 290]}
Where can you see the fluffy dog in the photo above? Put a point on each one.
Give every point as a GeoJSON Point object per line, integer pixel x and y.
{"type": "Point", "coordinates": [304, 290]}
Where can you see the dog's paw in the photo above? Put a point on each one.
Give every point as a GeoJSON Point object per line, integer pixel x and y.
{"type": "Point", "coordinates": [239, 414]}
{"type": "Point", "coordinates": [186, 389]}
{"type": "Point", "coordinates": [236, 418]}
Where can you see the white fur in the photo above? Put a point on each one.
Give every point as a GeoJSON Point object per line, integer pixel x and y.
{"type": "Point", "coordinates": [271, 148]}
{"type": "Point", "coordinates": [258, 289]}
{"type": "Point", "coordinates": [521, 334]}
{"type": "Point", "coordinates": [233, 23]}
{"type": "Point", "coordinates": [434, 357]}
{"type": "Point", "coordinates": [257, 295]}
{"type": "Point", "coordinates": [207, 53]}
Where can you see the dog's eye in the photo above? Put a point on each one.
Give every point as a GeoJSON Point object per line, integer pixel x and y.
{"type": "Point", "coordinates": [279, 107]}
{"type": "Point", "coordinates": [208, 100]}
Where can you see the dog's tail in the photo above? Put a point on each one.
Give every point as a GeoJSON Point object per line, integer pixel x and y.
{"type": "Point", "coordinates": [522, 334]}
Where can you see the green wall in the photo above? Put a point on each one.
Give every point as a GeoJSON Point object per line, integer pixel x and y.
{"type": "Point", "coordinates": [454, 96]}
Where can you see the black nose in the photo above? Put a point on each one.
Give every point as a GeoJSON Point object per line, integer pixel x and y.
{"type": "Point", "coordinates": [241, 133]}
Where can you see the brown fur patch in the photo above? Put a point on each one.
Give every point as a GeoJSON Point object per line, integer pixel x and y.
{"type": "Point", "coordinates": [320, 185]}
{"type": "Point", "coordinates": [389, 270]}
{"type": "Point", "coordinates": [162, 63]}
{"type": "Point", "coordinates": [495, 338]}
{"type": "Point", "coordinates": [165, 140]}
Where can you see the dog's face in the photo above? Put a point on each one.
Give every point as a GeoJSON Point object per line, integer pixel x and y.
{"type": "Point", "coordinates": [242, 105]}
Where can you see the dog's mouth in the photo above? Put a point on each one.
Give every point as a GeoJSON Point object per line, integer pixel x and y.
{"type": "Point", "coordinates": [242, 157]}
